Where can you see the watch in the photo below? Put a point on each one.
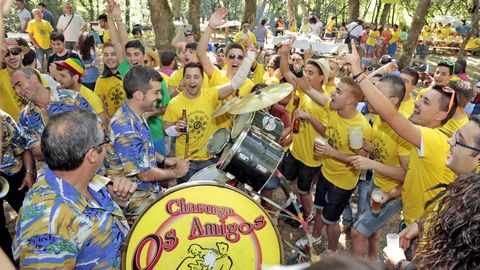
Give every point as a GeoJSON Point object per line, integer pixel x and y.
{"type": "Point", "coordinates": [29, 171]}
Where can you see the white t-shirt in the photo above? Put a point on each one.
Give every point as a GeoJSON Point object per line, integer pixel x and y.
{"type": "Point", "coordinates": [22, 14]}
{"type": "Point", "coordinates": [355, 30]}
{"type": "Point", "coordinates": [73, 31]}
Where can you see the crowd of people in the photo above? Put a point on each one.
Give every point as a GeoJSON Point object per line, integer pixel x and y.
{"type": "Point", "coordinates": [91, 135]}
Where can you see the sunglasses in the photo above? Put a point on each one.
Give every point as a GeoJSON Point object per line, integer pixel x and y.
{"type": "Point", "coordinates": [452, 97]}
{"type": "Point", "coordinates": [232, 56]}
{"type": "Point", "coordinates": [457, 142]}
{"type": "Point", "coordinates": [14, 51]}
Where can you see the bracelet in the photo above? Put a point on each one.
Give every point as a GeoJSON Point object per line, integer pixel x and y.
{"type": "Point", "coordinates": [358, 75]}
{"type": "Point", "coordinates": [398, 265]}
{"type": "Point", "coordinates": [29, 171]}
{"type": "Point", "coordinates": [211, 27]}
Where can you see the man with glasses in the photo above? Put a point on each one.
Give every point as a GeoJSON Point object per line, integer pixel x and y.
{"type": "Point", "coordinates": [245, 34]}
{"type": "Point", "coordinates": [67, 222]}
{"type": "Point", "coordinates": [71, 26]}
{"type": "Point", "coordinates": [427, 159]}
{"type": "Point", "coordinates": [10, 101]}
{"type": "Point", "coordinates": [42, 102]}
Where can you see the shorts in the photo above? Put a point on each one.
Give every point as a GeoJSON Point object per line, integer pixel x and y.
{"type": "Point", "coordinates": [272, 183]}
{"type": "Point", "coordinates": [292, 168]}
{"type": "Point", "coordinates": [260, 44]}
{"type": "Point", "coordinates": [331, 199]}
{"type": "Point", "coordinates": [368, 223]}
{"type": "Point", "coordinates": [370, 49]}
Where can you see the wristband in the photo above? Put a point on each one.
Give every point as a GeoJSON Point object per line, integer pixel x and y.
{"type": "Point", "coordinates": [398, 265]}
{"type": "Point", "coordinates": [29, 171]}
{"type": "Point", "coordinates": [358, 75]}
{"type": "Point", "coordinates": [211, 27]}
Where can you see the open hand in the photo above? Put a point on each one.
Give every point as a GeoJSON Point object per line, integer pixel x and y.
{"type": "Point", "coordinates": [218, 17]}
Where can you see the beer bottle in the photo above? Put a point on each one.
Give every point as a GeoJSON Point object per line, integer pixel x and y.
{"type": "Point", "coordinates": [296, 123]}
{"type": "Point", "coordinates": [184, 118]}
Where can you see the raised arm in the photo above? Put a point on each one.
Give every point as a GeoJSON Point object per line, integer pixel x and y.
{"type": "Point", "coordinates": [401, 125]}
{"type": "Point", "coordinates": [240, 76]}
{"type": "Point", "coordinates": [218, 18]}
{"type": "Point", "coordinates": [284, 52]}
{"type": "Point", "coordinates": [114, 21]}
{"type": "Point", "coordinates": [176, 39]}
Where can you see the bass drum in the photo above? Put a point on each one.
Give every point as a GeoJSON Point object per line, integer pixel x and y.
{"type": "Point", "coordinates": [252, 159]}
{"type": "Point", "coordinates": [202, 225]}
{"type": "Point", "coordinates": [261, 122]}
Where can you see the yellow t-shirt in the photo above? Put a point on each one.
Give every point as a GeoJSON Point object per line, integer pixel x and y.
{"type": "Point", "coordinates": [106, 36]}
{"type": "Point", "coordinates": [258, 73]}
{"type": "Point", "coordinates": [329, 28]}
{"type": "Point", "coordinates": [426, 168]}
{"type": "Point", "coordinates": [372, 37]}
{"type": "Point", "coordinates": [339, 173]}
{"type": "Point", "coordinates": [165, 77]}
{"type": "Point", "coordinates": [453, 125]}
{"type": "Point", "coordinates": [92, 99]}
{"type": "Point", "coordinates": [395, 37]}
{"type": "Point", "coordinates": [111, 88]}
{"type": "Point", "coordinates": [239, 38]}
{"type": "Point", "coordinates": [422, 92]}
{"type": "Point", "coordinates": [218, 78]}
{"type": "Point", "coordinates": [472, 43]}
{"type": "Point", "coordinates": [10, 102]}
{"type": "Point", "coordinates": [329, 89]}
{"type": "Point", "coordinates": [41, 32]}
{"type": "Point", "coordinates": [407, 107]}
{"type": "Point", "coordinates": [302, 144]}
{"type": "Point", "coordinates": [177, 76]}
{"type": "Point", "coordinates": [201, 124]}
{"type": "Point", "coordinates": [389, 146]}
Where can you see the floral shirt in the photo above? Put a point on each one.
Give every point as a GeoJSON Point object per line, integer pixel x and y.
{"type": "Point", "coordinates": [33, 119]}
{"type": "Point", "coordinates": [14, 141]}
{"type": "Point", "coordinates": [59, 228]}
{"type": "Point", "coordinates": [131, 152]}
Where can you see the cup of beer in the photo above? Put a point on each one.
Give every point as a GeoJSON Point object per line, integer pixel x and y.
{"type": "Point", "coordinates": [355, 137]}
{"type": "Point", "coordinates": [319, 140]}
{"type": "Point", "coordinates": [393, 240]}
{"type": "Point", "coordinates": [377, 196]}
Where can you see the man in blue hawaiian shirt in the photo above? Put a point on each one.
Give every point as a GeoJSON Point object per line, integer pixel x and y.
{"type": "Point", "coordinates": [68, 219]}
{"type": "Point", "coordinates": [43, 102]}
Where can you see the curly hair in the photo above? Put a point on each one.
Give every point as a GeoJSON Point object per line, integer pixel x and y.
{"type": "Point", "coordinates": [452, 240]}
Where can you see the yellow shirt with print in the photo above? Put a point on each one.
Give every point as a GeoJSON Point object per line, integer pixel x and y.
{"type": "Point", "coordinates": [111, 89]}
{"type": "Point", "coordinates": [302, 143]}
{"type": "Point", "coordinates": [453, 125]}
{"type": "Point", "coordinates": [218, 78]}
{"type": "Point", "coordinates": [92, 99]}
{"type": "Point", "coordinates": [10, 101]}
{"type": "Point", "coordinates": [372, 36]}
{"type": "Point", "coordinates": [395, 36]}
{"type": "Point", "coordinates": [177, 76]}
{"type": "Point", "coordinates": [41, 32]}
{"type": "Point", "coordinates": [406, 107]}
{"type": "Point", "coordinates": [339, 173]}
{"type": "Point", "coordinates": [241, 35]}
{"type": "Point", "coordinates": [201, 124]}
{"type": "Point", "coordinates": [106, 36]}
{"type": "Point", "coordinates": [388, 146]}
{"type": "Point", "coordinates": [426, 169]}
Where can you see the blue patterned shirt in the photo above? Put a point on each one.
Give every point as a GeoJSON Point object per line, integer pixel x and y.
{"type": "Point", "coordinates": [33, 119]}
{"type": "Point", "coordinates": [59, 228]}
{"type": "Point", "coordinates": [14, 142]}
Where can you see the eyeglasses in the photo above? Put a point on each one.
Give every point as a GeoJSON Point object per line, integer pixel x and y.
{"type": "Point", "coordinates": [447, 89]}
{"type": "Point", "coordinates": [14, 51]}
{"type": "Point", "coordinates": [448, 63]}
{"type": "Point", "coordinates": [232, 56]}
{"type": "Point", "coordinates": [457, 142]}
{"type": "Point", "coordinates": [105, 141]}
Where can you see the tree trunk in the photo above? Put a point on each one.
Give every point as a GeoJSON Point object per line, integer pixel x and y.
{"type": "Point", "coordinates": [127, 15]}
{"type": "Point", "coordinates": [354, 9]}
{"type": "Point", "coordinates": [377, 6]}
{"type": "Point", "coordinates": [260, 12]}
{"type": "Point", "coordinates": [250, 11]}
{"type": "Point", "coordinates": [304, 9]}
{"type": "Point", "coordinates": [473, 31]}
{"type": "Point", "coordinates": [162, 25]}
{"type": "Point", "coordinates": [177, 9]}
{"type": "Point", "coordinates": [417, 24]}
{"type": "Point", "coordinates": [194, 16]}
{"type": "Point", "coordinates": [290, 10]}
{"type": "Point", "coordinates": [367, 9]}
{"type": "Point", "coordinates": [385, 11]}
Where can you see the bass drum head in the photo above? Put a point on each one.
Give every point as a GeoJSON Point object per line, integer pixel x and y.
{"type": "Point", "coordinates": [210, 173]}
{"type": "Point", "coordinates": [218, 140]}
{"type": "Point", "coordinates": [202, 225]}
{"type": "Point", "coordinates": [240, 123]}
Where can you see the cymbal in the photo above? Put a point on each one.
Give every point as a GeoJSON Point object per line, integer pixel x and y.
{"type": "Point", "coordinates": [261, 99]}
{"type": "Point", "coordinates": [226, 106]}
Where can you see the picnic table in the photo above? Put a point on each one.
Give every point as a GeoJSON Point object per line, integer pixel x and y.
{"type": "Point", "coordinates": [317, 46]}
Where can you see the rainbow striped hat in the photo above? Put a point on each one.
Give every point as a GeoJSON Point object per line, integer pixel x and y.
{"type": "Point", "coordinates": [73, 65]}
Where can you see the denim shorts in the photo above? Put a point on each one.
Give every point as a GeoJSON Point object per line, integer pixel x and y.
{"type": "Point", "coordinates": [368, 223]}
{"type": "Point", "coordinates": [331, 199]}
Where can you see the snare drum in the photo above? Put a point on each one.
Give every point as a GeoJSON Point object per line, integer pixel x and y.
{"type": "Point", "coordinates": [202, 225]}
{"type": "Point", "coordinates": [252, 159]}
{"type": "Point", "coordinates": [261, 122]}
{"type": "Point", "coordinates": [218, 140]}
{"type": "Point", "coordinates": [210, 173]}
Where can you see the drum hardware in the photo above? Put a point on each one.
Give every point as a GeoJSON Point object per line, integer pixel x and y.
{"type": "Point", "coordinates": [4, 187]}
{"type": "Point", "coordinates": [260, 121]}
{"type": "Point", "coordinates": [261, 99]}
{"type": "Point", "coordinates": [226, 106]}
